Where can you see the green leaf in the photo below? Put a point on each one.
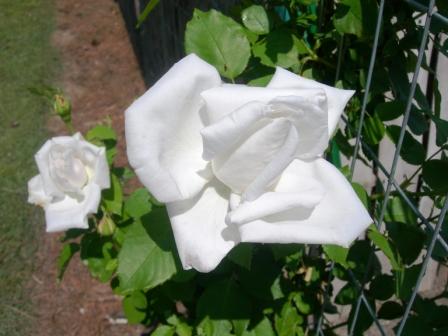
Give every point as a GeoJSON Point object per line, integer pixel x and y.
{"type": "Point", "coordinates": [263, 328]}
{"type": "Point", "coordinates": [362, 194]}
{"type": "Point", "coordinates": [405, 280]}
{"type": "Point", "coordinates": [442, 131]}
{"type": "Point", "coordinates": [225, 300]}
{"type": "Point", "coordinates": [113, 197]}
{"type": "Point", "coordinates": [148, 256]}
{"type": "Point", "coordinates": [412, 150]}
{"type": "Point", "coordinates": [259, 281]}
{"type": "Point", "coordinates": [434, 174]}
{"type": "Point", "coordinates": [101, 132]}
{"type": "Point", "coordinates": [104, 265]}
{"type": "Point", "coordinates": [398, 211]}
{"type": "Point", "coordinates": [134, 306]}
{"type": "Point", "coordinates": [280, 48]}
{"type": "Point", "coordinates": [373, 130]}
{"type": "Point", "coordinates": [242, 255]}
{"type": "Point", "coordinates": [207, 327]}
{"type": "Point", "coordinates": [390, 310]}
{"type": "Point", "coordinates": [386, 246]}
{"type": "Point", "coordinates": [390, 110]}
{"type": "Point", "coordinates": [382, 287]}
{"type": "Point", "coordinates": [138, 203]}
{"type": "Point", "coordinates": [148, 9]}
{"type": "Point", "coordinates": [344, 146]}
{"type": "Point", "coordinates": [417, 122]}
{"type": "Point", "coordinates": [358, 256]}
{"type": "Point", "coordinates": [408, 239]}
{"type": "Point", "coordinates": [337, 254]}
{"type": "Point", "coordinates": [66, 254]}
{"type": "Point", "coordinates": [218, 40]}
{"type": "Point", "coordinates": [356, 17]}
{"type": "Point", "coordinates": [302, 302]}
{"type": "Point", "coordinates": [182, 328]}
{"type": "Point", "coordinates": [103, 135]}
{"type": "Point", "coordinates": [415, 327]}
{"type": "Point", "coordinates": [288, 321]}
{"type": "Point", "coordinates": [281, 251]}
{"type": "Point", "coordinates": [256, 19]}
{"type": "Point", "coordinates": [364, 319]}
{"type": "Point", "coordinates": [347, 295]}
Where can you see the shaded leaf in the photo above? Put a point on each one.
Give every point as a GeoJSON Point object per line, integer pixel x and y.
{"type": "Point", "coordinates": [280, 48]}
{"type": "Point", "coordinates": [382, 287]}
{"type": "Point", "coordinates": [225, 300]}
{"type": "Point", "coordinates": [356, 17]}
{"type": "Point", "coordinates": [408, 239]}
{"type": "Point", "coordinates": [347, 295]}
{"type": "Point", "coordinates": [148, 256]}
{"type": "Point", "coordinates": [412, 151]}
{"type": "Point", "coordinates": [434, 174]}
{"type": "Point", "coordinates": [390, 110]}
{"type": "Point", "coordinates": [242, 255]}
{"type": "Point", "coordinates": [390, 310]}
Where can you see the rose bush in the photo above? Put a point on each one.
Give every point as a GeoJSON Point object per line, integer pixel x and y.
{"type": "Point", "coordinates": [242, 164]}
{"type": "Point", "coordinates": [72, 173]}
{"type": "Point", "coordinates": [235, 163]}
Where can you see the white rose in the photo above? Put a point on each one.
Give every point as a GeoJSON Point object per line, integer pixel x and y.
{"type": "Point", "coordinates": [72, 173]}
{"type": "Point", "coordinates": [242, 164]}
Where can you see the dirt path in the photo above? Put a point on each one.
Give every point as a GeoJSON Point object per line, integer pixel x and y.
{"type": "Point", "coordinates": [101, 77]}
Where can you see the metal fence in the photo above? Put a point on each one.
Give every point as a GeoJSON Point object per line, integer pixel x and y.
{"type": "Point", "coordinates": [159, 43]}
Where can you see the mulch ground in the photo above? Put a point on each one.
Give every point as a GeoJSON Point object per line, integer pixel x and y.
{"type": "Point", "coordinates": [101, 77]}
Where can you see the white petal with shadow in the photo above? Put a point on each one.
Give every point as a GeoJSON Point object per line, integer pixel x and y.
{"type": "Point", "coordinates": [337, 98]}
{"type": "Point", "coordinates": [202, 236]}
{"type": "Point", "coordinates": [164, 145]}
{"type": "Point", "coordinates": [339, 218]}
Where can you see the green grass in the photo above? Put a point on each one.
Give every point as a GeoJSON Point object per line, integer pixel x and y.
{"type": "Point", "coordinates": [26, 60]}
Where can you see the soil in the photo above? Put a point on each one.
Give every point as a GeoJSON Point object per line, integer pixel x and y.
{"type": "Point", "coordinates": [101, 77]}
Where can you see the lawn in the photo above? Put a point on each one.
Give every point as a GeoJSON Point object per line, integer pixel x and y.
{"type": "Point", "coordinates": [26, 60]}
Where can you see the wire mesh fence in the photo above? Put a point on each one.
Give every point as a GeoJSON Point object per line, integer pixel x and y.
{"type": "Point", "coordinates": [159, 43]}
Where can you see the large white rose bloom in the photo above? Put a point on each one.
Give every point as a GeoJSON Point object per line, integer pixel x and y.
{"type": "Point", "coordinates": [235, 163]}
{"type": "Point", "coordinates": [72, 173]}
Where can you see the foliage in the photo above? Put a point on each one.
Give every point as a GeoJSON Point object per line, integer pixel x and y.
{"type": "Point", "coordinates": [282, 289]}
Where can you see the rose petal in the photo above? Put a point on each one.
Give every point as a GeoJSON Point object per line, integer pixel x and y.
{"type": "Point", "coordinates": [36, 192]}
{"type": "Point", "coordinates": [202, 236]}
{"type": "Point", "coordinates": [164, 145]}
{"type": "Point", "coordinates": [223, 100]}
{"type": "Point", "coordinates": [337, 98]}
{"type": "Point", "coordinates": [338, 219]}
{"type": "Point", "coordinates": [248, 146]}
{"type": "Point", "coordinates": [270, 203]}
{"type": "Point", "coordinates": [69, 213]}
{"type": "Point", "coordinates": [101, 167]}
{"type": "Point", "coordinates": [41, 159]}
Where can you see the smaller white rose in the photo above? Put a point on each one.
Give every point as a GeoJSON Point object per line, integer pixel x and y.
{"type": "Point", "coordinates": [72, 173]}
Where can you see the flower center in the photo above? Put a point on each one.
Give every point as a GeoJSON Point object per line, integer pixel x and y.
{"type": "Point", "coordinates": [67, 169]}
